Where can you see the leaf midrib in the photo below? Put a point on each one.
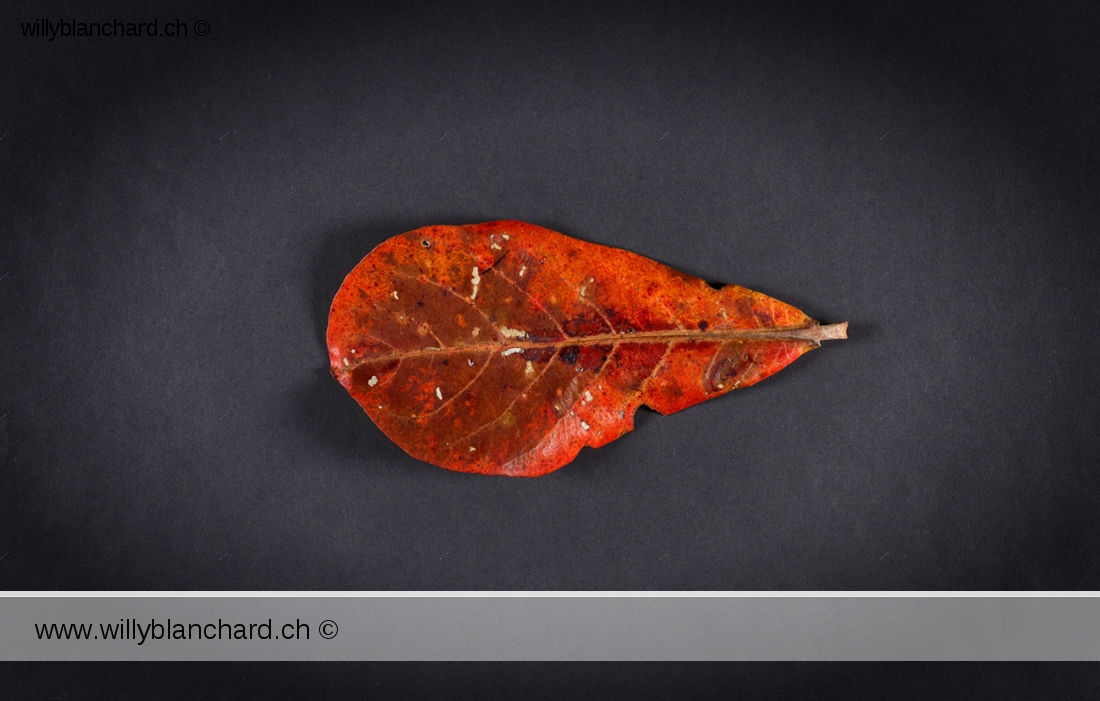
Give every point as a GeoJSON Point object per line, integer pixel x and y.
{"type": "Point", "coordinates": [813, 333]}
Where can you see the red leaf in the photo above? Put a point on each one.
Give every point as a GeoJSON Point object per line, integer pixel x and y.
{"type": "Point", "coordinates": [504, 348]}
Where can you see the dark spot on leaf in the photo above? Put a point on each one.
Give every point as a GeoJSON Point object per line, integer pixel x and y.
{"type": "Point", "coordinates": [703, 325]}
{"type": "Point", "coordinates": [569, 354]}
{"type": "Point", "coordinates": [538, 355]}
{"type": "Point", "coordinates": [585, 325]}
{"type": "Point", "coordinates": [426, 243]}
{"type": "Point", "coordinates": [728, 370]}
{"type": "Point", "coordinates": [592, 357]}
{"type": "Point", "coordinates": [743, 306]}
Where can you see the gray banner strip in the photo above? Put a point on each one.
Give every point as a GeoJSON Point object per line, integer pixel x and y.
{"type": "Point", "coordinates": [549, 628]}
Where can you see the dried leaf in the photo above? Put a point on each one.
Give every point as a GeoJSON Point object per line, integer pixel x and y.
{"type": "Point", "coordinates": [504, 348]}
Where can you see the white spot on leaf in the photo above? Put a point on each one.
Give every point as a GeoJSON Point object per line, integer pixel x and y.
{"type": "Point", "coordinates": [346, 363]}
{"type": "Point", "coordinates": [394, 294]}
{"type": "Point", "coordinates": [522, 270]}
{"type": "Point", "coordinates": [439, 394]}
{"type": "Point", "coordinates": [587, 396]}
{"type": "Point", "coordinates": [512, 333]}
{"type": "Point", "coordinates": [584, 426]}
{"type": "Point", "coordinates": [372, 381]}
{"type": "Point", "coordinates": [510, 351]}
{"type": "Point", "coordinates": [475, 280]}
{"type": "Point", "coordinates": [530, 369]}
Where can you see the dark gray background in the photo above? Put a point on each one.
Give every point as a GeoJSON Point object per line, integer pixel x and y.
{"type": "Point", "coordinates": [814, 681]}
{"type": "Point", "coordinates": [178, 212]}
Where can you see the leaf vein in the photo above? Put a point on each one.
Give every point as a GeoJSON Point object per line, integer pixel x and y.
{"type": "Point", "coordinates": [519, 394]}
{"type": "Point", "coordinates": [531, 297]}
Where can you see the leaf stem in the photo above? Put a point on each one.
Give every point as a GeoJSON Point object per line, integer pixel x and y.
{"type": "Point", "coordinates": [828, 332]}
